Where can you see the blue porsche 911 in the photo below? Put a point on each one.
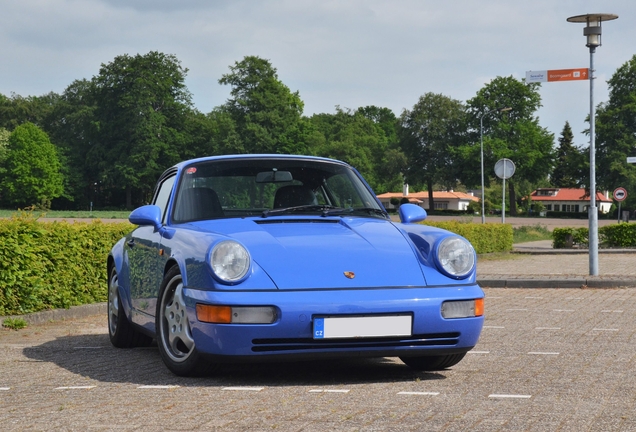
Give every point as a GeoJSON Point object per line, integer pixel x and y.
{"type": "Point", "coordinates": [261, 257]}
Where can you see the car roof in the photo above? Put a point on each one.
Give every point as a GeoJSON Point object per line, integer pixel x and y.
{"type": "Point", "coordinates": [180, 165]}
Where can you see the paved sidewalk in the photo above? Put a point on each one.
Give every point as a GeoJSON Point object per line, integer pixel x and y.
{"type": "Point", "coordinates": [538, 265]}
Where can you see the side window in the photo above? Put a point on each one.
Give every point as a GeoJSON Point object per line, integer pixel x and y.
{"type": "Point", "coordinates": [163, 195]}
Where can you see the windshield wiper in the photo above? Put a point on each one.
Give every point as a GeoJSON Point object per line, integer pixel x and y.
{"type": "Point", "coordinates": [372, 210]}
{"type": "Point", "coordinates": [326, 210]}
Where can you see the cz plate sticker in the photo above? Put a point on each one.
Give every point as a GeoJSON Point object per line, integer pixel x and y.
{"type": "Point", "coordinates": [319, 328]}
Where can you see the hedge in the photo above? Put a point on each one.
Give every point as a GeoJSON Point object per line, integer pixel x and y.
{"type": "Point", "coordinates": [619, 235]}
{"type": "Point", "coordinates": [53, 265]}
{"type": "Point", "coordinates": [485, 238]}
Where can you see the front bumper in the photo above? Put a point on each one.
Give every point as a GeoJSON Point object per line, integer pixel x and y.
{"type": "Point", "coordinates": [291, 335]}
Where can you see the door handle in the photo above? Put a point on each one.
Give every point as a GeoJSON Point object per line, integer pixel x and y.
{"type": "Point", "coordinates": [131, 243]}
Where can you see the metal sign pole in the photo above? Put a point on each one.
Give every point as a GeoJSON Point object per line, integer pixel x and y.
{"type": "Point", "coordinates": [592, 211]}
{"type": "Point", "coordinates": [503, 196]}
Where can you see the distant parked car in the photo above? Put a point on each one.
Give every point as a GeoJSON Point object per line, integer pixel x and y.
{"type": "Point", "coordinates": [288, 257]}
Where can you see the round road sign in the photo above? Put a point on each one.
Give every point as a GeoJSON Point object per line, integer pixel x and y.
{"type": "Point", "coordinates": [620, 194]}
{"type": "Point", "coordinates": [504, 168]}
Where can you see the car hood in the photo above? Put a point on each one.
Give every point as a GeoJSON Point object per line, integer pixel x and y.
{"type": "Point", "coordinates": [325, 253]}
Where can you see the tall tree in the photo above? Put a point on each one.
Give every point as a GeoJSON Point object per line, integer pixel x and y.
{"type": "Point", "coordinates": [352, 137]}
{"type": "Point", "coordinates": [569, 165]}
{"type": "Point", "coordinates": [516, 135]}
{"type": "Point", "coordinates": [4, 143]}
{"type": "Point", "coordinates": [430, 134]}
{"type": "Point", "coordinates": [141, 104]}
{"type": "Point", "coordinates": [16, 110]}
{"type": "Point", "coordinates": [267, 115]}
{"type": "Point", "coordinates": [616, 133]}
{"type": "Point", "coordinates": [31, 169]}
{"type": "Point", "coordinates": [73, 129]}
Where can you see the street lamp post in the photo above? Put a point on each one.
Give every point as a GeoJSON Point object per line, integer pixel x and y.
{"type": "Point", "coordinates": [592, 31]}
{"type": "Point", "coordinates": [481, 139]}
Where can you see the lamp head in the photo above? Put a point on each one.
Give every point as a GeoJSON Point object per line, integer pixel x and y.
{"type": "Point", "coordinates": [592, 28]}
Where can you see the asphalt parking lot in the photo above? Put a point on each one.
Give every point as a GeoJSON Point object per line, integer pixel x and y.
{"type": "Point", "coordinates": [548, 360]}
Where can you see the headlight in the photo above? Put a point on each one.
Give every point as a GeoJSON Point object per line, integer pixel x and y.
{"type": "Point", "coordinates": [230, 261]}
{"type": "Point", "coordinates": [455, 256]}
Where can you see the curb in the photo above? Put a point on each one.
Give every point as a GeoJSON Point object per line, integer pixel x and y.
{"type": "Point", "coordinates": [541, 251]}
{"type": "Point", "coordinates": [61, 314]}
{"type": "Point", "coordinates": [576, 282]}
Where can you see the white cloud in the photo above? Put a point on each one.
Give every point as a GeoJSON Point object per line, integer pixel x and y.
{"type": "Point", "coordinates": [347, 53]}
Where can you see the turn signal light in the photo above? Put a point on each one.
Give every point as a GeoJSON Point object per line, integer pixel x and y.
{"type": "Point", "coordinates": [463, 308]}
{"type": "Point", "coordinates": [236, 314]}
{"type": "Point", "coordinates": [214, 314]}
{"type": "Point", "coordinates": [479, 307]}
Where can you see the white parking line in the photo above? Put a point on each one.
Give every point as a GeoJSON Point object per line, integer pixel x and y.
{"type": "Point", "coordinates": [75, 388]}
{"type": "Point", "coordinates": [418, 393]}
{"type": "Point", "coordinates": [605, 329]}
{"type": "Point", "coordinates": [542, 353]}
{"type": "Point", "coordinates": [157, 386]}
{"type": "Point", "coordinates": [254, 389]}
{"type": "Point", "coordinates": [329, 391]}
{"type": "Point", "coordinates": [611, 311]}
{"type": "Point", "coordinates": [509, 396]}
{"type": "Point", "coordinates": [5, 388]}
{"type": "Point", "coordinates": [563, 310]}
{"type": "Point", "coordinates": [536, 298]}
{"type": "Point", "coordinates": [547, 328]}
{"type": "Point", "coordinates": [478, 352]}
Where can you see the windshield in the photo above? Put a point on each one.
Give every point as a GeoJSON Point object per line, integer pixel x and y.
{"type": "Point", "coordinates": [269, 188]}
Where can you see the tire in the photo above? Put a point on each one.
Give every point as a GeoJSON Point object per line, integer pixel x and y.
{"type": "Point", "coordinates": [174, 335]}
{"type": "Point", "coordinates": [121, 332]}
{"type": "Point", "coordinates": [433, 363]}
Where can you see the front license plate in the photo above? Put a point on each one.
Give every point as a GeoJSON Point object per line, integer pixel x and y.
{"type": "Point", "coordinates": [362, 326]}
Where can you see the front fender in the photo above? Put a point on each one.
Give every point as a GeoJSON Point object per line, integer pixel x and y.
{"type": "Point", "coordinates": [189, 250]}
{"type": "Point", "coordinates": [423, 239]}
{"type": "Point", "coordinates": [118, 258]}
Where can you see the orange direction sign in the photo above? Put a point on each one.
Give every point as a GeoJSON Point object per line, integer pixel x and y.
{"type": "Point", "coordinates": [558, 75]}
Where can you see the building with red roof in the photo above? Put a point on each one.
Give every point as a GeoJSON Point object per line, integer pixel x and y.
{"type": "Point", "coordinates": [575, 200]}
{"type": "Point", "coordinates": [444, 200]}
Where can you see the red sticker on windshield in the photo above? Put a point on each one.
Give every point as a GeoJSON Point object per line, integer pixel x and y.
{"type": "Point", "coordinates": [191, 170]}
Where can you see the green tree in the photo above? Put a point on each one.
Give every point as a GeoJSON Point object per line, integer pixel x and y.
{"type": "Point", "coordinates": [141, 105]}
{"type": "Point", "coordinates": [515, 135]}
{"type": "Point", "coordinates": [569, 165]}
{"type": "Point", "coordinates": [616, 133]}
{"type": "Point", "coordinates": [352, 137]}
{"type": "Point", "coordinates": [266, 114]}
{"type": "Point", "coordinates": [391, 162]}
{"type": "Point", "coordinates": [32, 169]}
{"type": "Point", "coordinates": [16, 110]}
{"type": "Point", "coordinates": [73, 129]}
{"type": "Point", "coordinates": [430, 135]}
{"type": "Point", "coordinates": [4, 143]}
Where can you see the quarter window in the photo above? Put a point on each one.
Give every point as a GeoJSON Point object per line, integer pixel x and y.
{"type": "Point", "coordinates": [163, 195]}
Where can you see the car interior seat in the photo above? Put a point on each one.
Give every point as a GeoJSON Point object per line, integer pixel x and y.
{"type": "Point", "coordinates": [293, 196]}
{"type": "Point", "coordinates": [197, 204]}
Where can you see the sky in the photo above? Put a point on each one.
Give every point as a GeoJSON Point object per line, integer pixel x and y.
{"type": "Point", "coordinates": [342, 53]}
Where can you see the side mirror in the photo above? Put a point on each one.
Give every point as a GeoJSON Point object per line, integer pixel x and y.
{"type": "Point", "coordinates": [146, 215]}
{"type": "Point", "coordinates": [410, 213]}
